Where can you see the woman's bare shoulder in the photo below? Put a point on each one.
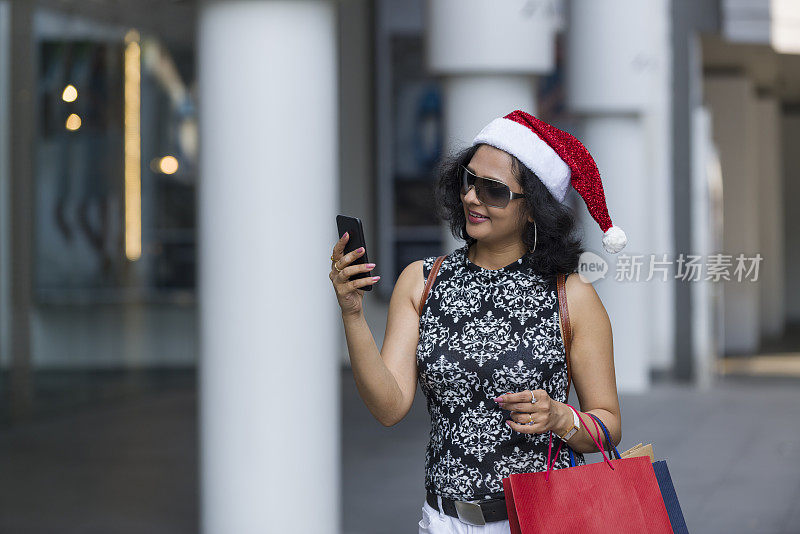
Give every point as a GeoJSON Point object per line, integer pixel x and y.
{"type": "Point", "coordinates": [411, 281]}
{"type": "Point", "coordinates": [583, 300]}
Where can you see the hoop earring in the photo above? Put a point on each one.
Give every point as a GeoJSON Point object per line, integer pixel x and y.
{"type": "Point", "coordinates": [535, 236]}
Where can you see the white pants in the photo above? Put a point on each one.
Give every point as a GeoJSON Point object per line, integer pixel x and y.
{"type": "Point", "coordinates": [436, 522]}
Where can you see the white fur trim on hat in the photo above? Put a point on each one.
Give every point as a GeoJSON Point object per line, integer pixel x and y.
{"type": "Point", "coordinates": [614, 239]}
{"type": "Point", "coordinates": [531, 150]}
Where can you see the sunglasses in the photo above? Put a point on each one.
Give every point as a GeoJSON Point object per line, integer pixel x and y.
{"type": "Point", "coordinates": [489, 191]}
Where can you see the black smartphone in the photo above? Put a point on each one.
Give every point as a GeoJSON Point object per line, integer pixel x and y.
{"type": "Point", "coordinates": [353, 226]}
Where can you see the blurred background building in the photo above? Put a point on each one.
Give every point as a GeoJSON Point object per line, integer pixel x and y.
{"type": "Point", "coordinates": [170, 171]}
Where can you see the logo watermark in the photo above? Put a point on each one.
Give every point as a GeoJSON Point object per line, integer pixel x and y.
{"type": "Point", "coordinates": [592, 267]}
{"type": "Point", "coordinates": [685, 267]}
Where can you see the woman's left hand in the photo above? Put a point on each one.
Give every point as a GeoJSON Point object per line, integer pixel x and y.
{"type": "Point", "coordinates": [545, 414]}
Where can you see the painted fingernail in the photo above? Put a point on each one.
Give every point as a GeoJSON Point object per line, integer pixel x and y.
{"type": "Point", "coordinates": [376, 278]}
{"type": "Point", "coordinates": [344, 234]}
{"type": "Point", "coordinates": [499, 399]}
{"type": "Point", "coordinates": [508, 423]}
{"type": "Point", "coordinates": [360, 249]}
{"type": "Point", "coordinates": [370, 266]}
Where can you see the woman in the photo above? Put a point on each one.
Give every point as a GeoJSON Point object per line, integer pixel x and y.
{"type": "Point", "coordinates": [487, 349]}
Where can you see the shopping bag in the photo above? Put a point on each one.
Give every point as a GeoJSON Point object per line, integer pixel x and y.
{"type": "Point", "coordinates": [639, 450]}
{"type": "Point", "coordinates": [620, 496]}
{"type": "Point", "coordinates": [661, 470]}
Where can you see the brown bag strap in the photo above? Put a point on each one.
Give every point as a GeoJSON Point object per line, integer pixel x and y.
{"type": "Point", "coordinates": [429, 283]}
{"type": "Point", "coordinates": [566, 329]}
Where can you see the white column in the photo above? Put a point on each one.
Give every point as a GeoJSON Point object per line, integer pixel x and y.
{"type": "Point", "coordinates": [489, 54]}
{"type": "Point", "coordinates": [617, 82]}
{"type": "Point", "coordinates": [19, 108]}
{"type": "Point", "coordinates": [771, 228]}
{"type": "Point", "coordinates": [732, 103]}
{"type": "Point", "coordinates": [269, 405]}
{"type": "Point", "coordinates": [618, 146]}
{"type": "Point", "coordinates": [471, 101]}
{"type": "Point", "coordinates": [5, 184]}
{"type": "Point", "coordinates": [706, 195]}
{"type": "Point", "coordinates": [790, 140]}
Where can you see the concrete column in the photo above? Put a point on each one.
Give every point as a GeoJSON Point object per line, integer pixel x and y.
{"type": "Point", "coordinates": [618, 146]}
{"type": "Point", "coordinates": [732, 103]}
{"type": "Point", "coordinates": [471, 101]}
{"type": "Point", "coordinates": [706, 238]}
{"type": "Point", "coordinates": [688, 21]}
{"type": "Point", "coordinates": [770, 201]}
{"type": "Point", "coordinates": [269, 404]}
{"type": "Point", "coordinates": [489, 54]}
{"type": "Point", "coordinates": [21, 103]}
{"type": "Point", "coordinates": [617, 73]}
{"type": "Point", "coordinates": [790, 136]}
{"type": "Point", "coordinates": [5, 183]}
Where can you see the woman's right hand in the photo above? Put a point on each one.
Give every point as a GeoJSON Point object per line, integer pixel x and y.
{"type": "Point", "coordinates": [348, 294]}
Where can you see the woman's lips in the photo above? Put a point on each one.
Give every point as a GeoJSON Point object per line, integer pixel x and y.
{"type": "Point", "coordinates": [474, 219]}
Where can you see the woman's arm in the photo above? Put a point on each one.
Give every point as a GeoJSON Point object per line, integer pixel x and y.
{"type": "Point", "coordinates": [387, 379]}
{"type": "Point", "coordinates": [592, 367]}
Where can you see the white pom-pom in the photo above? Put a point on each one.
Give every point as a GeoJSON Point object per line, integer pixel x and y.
{"type": "Point", "coordinates": [614, 240]}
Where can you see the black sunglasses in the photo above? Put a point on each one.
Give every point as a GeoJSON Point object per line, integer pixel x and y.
{"type": "Point", "coordinates": [488, 190]}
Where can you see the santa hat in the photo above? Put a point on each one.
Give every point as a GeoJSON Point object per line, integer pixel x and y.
{"type": "Point", "coordinates": [558, 159]}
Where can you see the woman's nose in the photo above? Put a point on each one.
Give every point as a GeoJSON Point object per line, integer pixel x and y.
{"type": "Point", "coordinates": [474, 197]}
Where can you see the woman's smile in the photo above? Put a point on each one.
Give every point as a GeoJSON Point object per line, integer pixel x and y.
{"type": "Point", "coordinates": [475, 217]}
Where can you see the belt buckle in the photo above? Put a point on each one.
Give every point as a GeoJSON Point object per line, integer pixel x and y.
{"type": "Point", "coordinates": [470, 512]}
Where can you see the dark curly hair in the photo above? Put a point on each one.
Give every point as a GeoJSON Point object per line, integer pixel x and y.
{"type": "Point", "coordinates": [558, 243]}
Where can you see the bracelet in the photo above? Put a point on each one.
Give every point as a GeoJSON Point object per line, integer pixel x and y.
{"type": "Point", "coordinates": [576, 425]}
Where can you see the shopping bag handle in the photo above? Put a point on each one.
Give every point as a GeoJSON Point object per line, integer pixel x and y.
{"type": "Point", "coordinates": [608, 435]}
{"type": "Point", "coordinates": [596, 441]}
{"type": "Point", "coordinates": [572, 462]}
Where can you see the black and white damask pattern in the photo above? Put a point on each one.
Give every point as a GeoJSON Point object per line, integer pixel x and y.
{"type": "Point", "coordinates": [483, 333]}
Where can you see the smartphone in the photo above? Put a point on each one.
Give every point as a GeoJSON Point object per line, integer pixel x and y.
{"type": "Point", "coordinates": [353, 226]}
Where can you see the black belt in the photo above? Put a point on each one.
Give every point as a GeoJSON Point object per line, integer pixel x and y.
{"type": "Point", "coordinates": [478, 513]}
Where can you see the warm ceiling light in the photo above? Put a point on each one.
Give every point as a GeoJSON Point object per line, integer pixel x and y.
{"type": "Point", "coordinates": [132, 36]}
{"type": "Point", "coordinates": [73, 122]}
{"type": "Point", "coordinates": [69, 94]}
{"type": "Point", "coordinates": [168, 165]}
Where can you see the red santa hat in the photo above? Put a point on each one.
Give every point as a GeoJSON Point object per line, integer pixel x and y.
{"type": "Point", "coordinates": [558, 159]}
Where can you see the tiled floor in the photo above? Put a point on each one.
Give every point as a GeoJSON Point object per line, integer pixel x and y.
{"type": "Point", "coordinates": [128, 465]}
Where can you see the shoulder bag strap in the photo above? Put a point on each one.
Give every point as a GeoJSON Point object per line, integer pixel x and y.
{"type": "Point", "coordinates": [566, 330]}
{"type": "Point", "coordinates": [429, 283]}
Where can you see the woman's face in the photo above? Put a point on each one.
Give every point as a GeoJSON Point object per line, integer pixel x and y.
{"type": "Point", "coordinates": [502, 224]}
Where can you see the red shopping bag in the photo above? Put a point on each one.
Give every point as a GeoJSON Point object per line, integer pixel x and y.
{"type": "Point", "coordinates": [619, 496]}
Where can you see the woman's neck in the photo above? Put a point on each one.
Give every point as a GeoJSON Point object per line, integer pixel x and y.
{"type": "Point", "coordinates": [495, 256]}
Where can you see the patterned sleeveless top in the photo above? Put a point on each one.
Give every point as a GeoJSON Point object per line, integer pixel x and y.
{"type": "Point", "coordinates": [484, 333]}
